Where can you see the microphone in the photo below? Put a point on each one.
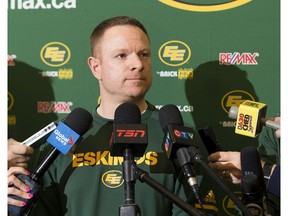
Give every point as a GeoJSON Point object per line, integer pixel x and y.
{"type": "Point", "coordinates": [129, 140]}
{"type": "Point", "coordinates": [250, 117]}
{"type": "Point", "coordinates": [128, 132]}
{"type": "Point", "coordinates": [177, 139]}
{"type": "Point", "coordinates": [63, 138]}
{"type": "Point", "coordinates": [252, 182]}
{"type": "Point", "coordinates": [180, 139]}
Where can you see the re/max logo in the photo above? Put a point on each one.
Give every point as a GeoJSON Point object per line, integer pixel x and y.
{"type": "Point", "coordinates": [130, 133]}
{"type": "Point", "coordinates": [238, 58]}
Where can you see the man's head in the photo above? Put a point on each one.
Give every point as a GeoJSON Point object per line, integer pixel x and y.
{"type": "Point", "coordinates": [100, 29]}
{"type": "Point", "coordinates": [121, 60]}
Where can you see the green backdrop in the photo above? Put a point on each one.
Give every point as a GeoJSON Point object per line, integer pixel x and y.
{"type": "Point", "coordinates": [207, 56]}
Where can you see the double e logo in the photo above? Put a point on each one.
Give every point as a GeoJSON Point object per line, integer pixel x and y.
{"type": "Point", "coordinates": [204, 6]}
{"type": "Point", "coordinates": [112, 179]}
{"type": "Point", "coordinates": [229, 205]}
{"type": "Point", "coordinates": [10, 101]}
{"type": "Point", "coordinates": [55, 54]}
{"type": "Point", "coordinates": [235, 98]}
{"type": "Point", "coordinates": [174, 53]}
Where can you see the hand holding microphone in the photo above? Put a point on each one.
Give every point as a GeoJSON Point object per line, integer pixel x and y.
{"type": "Point", "coordinates": [278, 131]}
{"type": "Point", "coordinates": [63, 138]}
{"type": "Point", "coordinates": [228, 165]}
{"type": "Point", "coordinates": [22, 190]}
{"type": "Point", "coordinates": [18, 155]}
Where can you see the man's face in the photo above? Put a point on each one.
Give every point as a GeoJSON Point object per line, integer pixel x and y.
{"type": "Point", "coordinates": [124, 69]}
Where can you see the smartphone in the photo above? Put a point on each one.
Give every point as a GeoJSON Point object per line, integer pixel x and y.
{"type": "Point", "coordinates": [209, 139]}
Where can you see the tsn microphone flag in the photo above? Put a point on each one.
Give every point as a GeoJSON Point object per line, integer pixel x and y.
{"type": "Point", "coordinates": [249, 118]}
{"type": "Point", "coordinates": [63, 138]}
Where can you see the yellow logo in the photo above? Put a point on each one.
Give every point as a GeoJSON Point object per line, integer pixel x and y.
{"type": "Point", "coordinates": [210, 197]}
{"type": "Point", "coordinates": [174, 53]}
{"type": "Point", "coordinates": [235, 98]}
{"type": "Point", "coordinates": [10, 101]}
{"type": "Point", "coordinates": [65, 73]}
{"type": "Point", "coordinates": [112, 179]}
{"type": "Point", "coordinates": [55, 54]}
{"type": "Point", "coordinates": [205, 7]}
{"type": "Point", "coordinates": [228, 205]}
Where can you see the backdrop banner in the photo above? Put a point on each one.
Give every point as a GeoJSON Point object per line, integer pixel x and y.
{"type": "Point", "coordinates": [207, 56]}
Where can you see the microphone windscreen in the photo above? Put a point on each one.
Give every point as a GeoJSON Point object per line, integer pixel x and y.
{"type": "Point", "coordinates": [250, 161]}
{"type": "Point", "coordinates": [169, 114]}
{"type": "Point", "coordinates": [252, 173]}
{"type": "Point", "coordinates": [233, 112]}
{"type": "Point", "coordinates": [127, 113]}
{"type": "Point", "coordinates": [79, 120]}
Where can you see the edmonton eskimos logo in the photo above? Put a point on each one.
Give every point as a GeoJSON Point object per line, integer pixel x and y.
{"type": "Point", "coordinates": [174, 53]}
{"type": "Point", "coordinates": [235, 98]}
{"type": "Point", "coordinates": [55, 54]}
{"type": "Point", "coordinates": [193, 5]}
{"type": "Point", "coordinates": [10, 101]}
{"type": "Point", "coordinates": [112, 179]}
{"type": "Point", "coordinates": [228, 205]}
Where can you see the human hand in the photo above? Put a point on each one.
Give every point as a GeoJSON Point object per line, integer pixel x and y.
{"type": "Point", "coordinates": [228, 164]}
{"type": "Point", "coordinates": [23, 190]}
{"type": "Point", "coordinates": [278, 132]}
{"type": "Point", "coordinates": [18, 154]}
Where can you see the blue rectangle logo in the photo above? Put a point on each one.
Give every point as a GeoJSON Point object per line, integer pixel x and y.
{"type": "Point", "coordinates": [63, 138]}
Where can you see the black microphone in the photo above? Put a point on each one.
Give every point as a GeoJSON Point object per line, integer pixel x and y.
{"type": "Point", "coordinates": [177, 139]}
{"type": "Point", "coordinates": [252, 182]}
{"type": "Point", "coordinates": [129, 140]}
{"type": "Point", "coordinates": [128, 132]}
{"type": "Point", "coordinates": [180, 139]}
{"type": "Point", "coordinates": [63, 138]}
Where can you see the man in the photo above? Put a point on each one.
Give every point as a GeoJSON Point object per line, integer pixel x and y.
{"type": "Point", "coordinates": [90, 182]}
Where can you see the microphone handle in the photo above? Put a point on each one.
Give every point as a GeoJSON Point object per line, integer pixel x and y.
{"type": "Point", "coordinates": [50, 157]}
{"type": "Point", "coordinates": [271, 124]}
{"type": "Point", "coordinates": [144, 177]}
{"type": "Point", "coordinates": [38, 135]}
{"type": "Point", "coordinates": [199, 159]}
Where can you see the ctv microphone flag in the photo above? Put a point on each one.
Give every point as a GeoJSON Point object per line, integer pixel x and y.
{"type": "Point", "coordinates": [249, 118]}
{"type": "Point", "coordinates": [63, 138]}
{"type": "Point", "coordinates": [178, 136]}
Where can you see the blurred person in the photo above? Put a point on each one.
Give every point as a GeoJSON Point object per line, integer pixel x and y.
{"type": "Point", "coordinates": [228, 164]}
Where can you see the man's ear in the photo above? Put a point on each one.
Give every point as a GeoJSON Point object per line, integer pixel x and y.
{"type": "Point", "coordinates": [94, 64]}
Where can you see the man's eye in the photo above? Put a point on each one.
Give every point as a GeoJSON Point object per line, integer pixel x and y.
{"type": "Point", "coordinates": [121, 56]}
{"type": "Point", "coordinates": [145, 54]}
